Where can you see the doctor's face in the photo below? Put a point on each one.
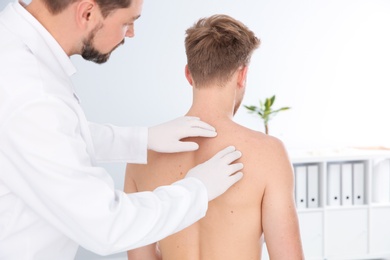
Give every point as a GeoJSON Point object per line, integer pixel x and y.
{"type": "Point", "coordinates": [111, 32]}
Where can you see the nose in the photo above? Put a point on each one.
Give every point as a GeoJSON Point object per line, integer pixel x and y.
{"type": "Point", "coordinates": [130, 32]}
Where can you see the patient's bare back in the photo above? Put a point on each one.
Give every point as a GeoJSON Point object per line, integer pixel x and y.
{"type": "Point", "coordinates": [232, 227]}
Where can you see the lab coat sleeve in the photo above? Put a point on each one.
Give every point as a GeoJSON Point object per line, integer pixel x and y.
{"type": "Point", "coordinates": [47, 165]}
{"type": "Point", "coordinates": [119, 144]}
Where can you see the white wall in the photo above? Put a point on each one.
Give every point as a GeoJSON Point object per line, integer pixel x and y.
{"type": "Point", "coordinates": [327, 59]}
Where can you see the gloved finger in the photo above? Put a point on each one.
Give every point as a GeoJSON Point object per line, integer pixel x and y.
{"type": "Point", "coordinates": [235, 168]}
{"type": "Point", "coordinates": [193, 132]}
{"type": "Point", "coordinates": [188, 118]}
{"type": "Point", "coordinates": [231, 157]}
{"type": "Point", "coordinates": [186, 147]}
{"type": "Point", "coordinates": [224, 152]}
{"type": "Point", "coordinates": [235, 178]}
{"type": "Point", "coordinates": [200, 124]}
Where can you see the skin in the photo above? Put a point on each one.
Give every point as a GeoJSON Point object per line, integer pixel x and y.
{"type": "Point", "coordinates": [78, 22]}
{"type": "Point", "coordinates": [261, 204]}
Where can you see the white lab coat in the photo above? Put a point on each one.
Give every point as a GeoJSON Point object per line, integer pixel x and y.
{"type": "Point", "coordinates": [53, 197]}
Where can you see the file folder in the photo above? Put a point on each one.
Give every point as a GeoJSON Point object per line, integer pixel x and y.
{"type": "Point", "coordinates": [300, 186]}
{"type": "Point", "coordinates": [334, 184]}
{"type": "Point", "coordinates": [358, 183]}
{"type": "Point", "coordinates": [346, 184]}
{"type": "Point", "coordinates": [312, 186]}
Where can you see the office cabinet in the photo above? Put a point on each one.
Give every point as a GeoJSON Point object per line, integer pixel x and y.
{"type": "Point", "coordinates": [343, 203]}
{"type": "Point", "coordinates": [352, 220]}
{"type": "Point", "coordinates": [346, 232]}
{"type": "Point", "coordinates": [311, 227]}
{"type": "Point", "coordinates": [380, 229]}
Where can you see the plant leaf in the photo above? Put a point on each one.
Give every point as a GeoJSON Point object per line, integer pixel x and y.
{"type": "Point", "coordinates": [251, 108]}
{"type": "Point", "coordinates": [264, 110]}
{"type": "Point", "coordinates": [267, 104]}
{"type": "Point", "coordinates": [284, 108]}
{"type": "Point", "coordinates": [261, 104]}
{"type": "Point", "coordinates": [272, 100]}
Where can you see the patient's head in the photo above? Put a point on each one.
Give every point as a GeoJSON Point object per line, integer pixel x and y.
{"type": "Point", "coordinates": [216, 47]}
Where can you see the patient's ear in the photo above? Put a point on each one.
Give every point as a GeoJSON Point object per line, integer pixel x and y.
{"type": "Point", "coordinates": [241, 79]}
{"type": "Point", "coordinates": [188, 75]}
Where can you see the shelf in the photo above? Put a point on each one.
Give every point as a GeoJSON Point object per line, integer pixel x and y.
{"type": "Point", "coordinates": [335, 154]}
{"type": "Point", "coordinates": [350, 218]}
{"type": "Point", "coordinates": [346, 232]}
{"type": "Point", "coordinates": [380, 230]}
{"type": "Point", "coordinates": [380, 205]}
{"type": "Point", "coordinates": [312, 234]}
{"type": "Point", "coordinates": [341, 208]}
{"type": "Point", "coordinates": [309, 210]}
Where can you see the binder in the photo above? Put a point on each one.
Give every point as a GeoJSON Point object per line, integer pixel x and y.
{"type": "Point", "coordinates": [312, 186]}
{"type": "Point", "coordinates": [346, 184]}
{"type": "Point", "coordinates": [334, 184]}
{"type": "Point", "coordinates": [381, 181]}
{"type": "Point", "coordinates": [358, 183]}
{"type": "Point", "coordinates": [300, 186]}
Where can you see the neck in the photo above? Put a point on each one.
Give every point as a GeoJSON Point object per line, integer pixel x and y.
{"type": "Point", "coordinates": [214, 103]}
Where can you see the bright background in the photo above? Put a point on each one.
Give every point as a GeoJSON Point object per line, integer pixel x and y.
{"type": "Point", "coordinates": [327, 59]}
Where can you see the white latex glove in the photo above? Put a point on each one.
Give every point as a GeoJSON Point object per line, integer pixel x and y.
{"type": "Point", "coordinates": [217, 174]}
{"type": "Point", "coordinates": [165, 138]}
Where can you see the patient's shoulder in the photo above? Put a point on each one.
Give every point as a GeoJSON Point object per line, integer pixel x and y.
{"type": "Point", "coordinates": [262, 150]}
{"type": "Point", "coordinates": [260, 141]}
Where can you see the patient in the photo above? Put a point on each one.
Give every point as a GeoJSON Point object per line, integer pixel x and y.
{"type": "Point", "coordinates": [218, 51]}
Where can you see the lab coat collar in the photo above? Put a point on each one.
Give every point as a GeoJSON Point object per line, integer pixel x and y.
{"type": "Point", "coordinates": [35, 36]}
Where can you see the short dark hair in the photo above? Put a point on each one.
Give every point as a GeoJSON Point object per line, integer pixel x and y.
{"type": "Point", "coordinates": [106, 6]}
{"type": "Point", "coordinates": [216, 47]}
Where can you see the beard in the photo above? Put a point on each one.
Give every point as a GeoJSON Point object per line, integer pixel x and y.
{"type": "Point", "coordinates": [90, 53]}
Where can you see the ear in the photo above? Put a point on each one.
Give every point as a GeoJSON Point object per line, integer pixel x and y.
{"type": "Point", "coordinates": [241, 79]}
{"type": "Point", "coordinates": [188, 75]}
{"type": "Point", "coordinates": [86, 13]}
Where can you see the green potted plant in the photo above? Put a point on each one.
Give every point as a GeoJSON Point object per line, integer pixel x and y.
{"type": "Point", "coordinates": [265, 111]}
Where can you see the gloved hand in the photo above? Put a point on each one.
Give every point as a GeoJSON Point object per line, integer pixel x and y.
{"type": "Point", "coordinates": [217, 174]}
{"type": "Point", "coordinates": [165, 138]}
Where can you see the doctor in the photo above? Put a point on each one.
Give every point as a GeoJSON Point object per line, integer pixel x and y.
{"type": "Point", "coordinates": [53, 197]}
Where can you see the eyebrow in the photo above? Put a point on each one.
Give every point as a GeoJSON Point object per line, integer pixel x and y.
{"type": "Point", "coordinates": [136, 17]}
